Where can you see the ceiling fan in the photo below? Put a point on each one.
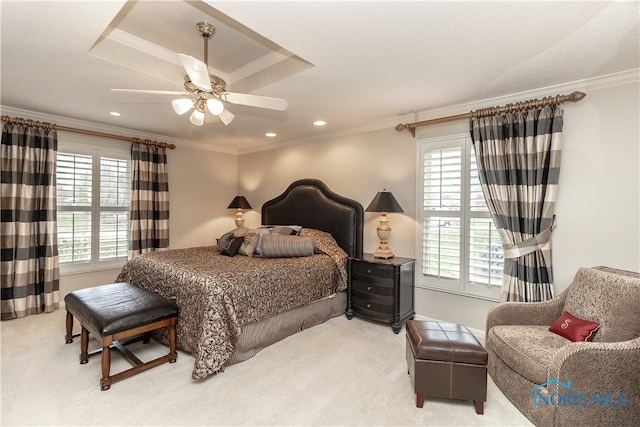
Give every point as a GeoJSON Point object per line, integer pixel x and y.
{"type": "Point", "coordinates": [206, 91]}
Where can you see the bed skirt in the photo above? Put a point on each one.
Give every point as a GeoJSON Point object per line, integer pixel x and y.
{"type": "Point", "coordinates": [258, 335]}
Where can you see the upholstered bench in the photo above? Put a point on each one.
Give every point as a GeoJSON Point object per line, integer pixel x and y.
{"type": "Point", "coordinates": [445, 360]}
{"type": "Point", "coordinates": [119, 314]}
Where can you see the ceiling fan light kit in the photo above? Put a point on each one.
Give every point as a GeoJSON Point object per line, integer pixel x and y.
{"type": "Point", "coordinates": [182, 105]}
{"type": "Point", "coordinates": [214, 106]}
{"type": "Point", "coordinates": [197, 117]}
{"type": "Point", "coordinates": [206, 89]}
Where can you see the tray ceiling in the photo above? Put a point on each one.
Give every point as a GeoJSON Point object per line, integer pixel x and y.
{"type": "Point", "coordinates": [357, 65]}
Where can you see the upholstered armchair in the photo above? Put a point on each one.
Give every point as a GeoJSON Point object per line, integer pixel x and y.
{"type": "Point", "coordinates": [556, 381]}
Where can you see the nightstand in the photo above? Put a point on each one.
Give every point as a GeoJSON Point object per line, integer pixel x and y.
{"type": "Point", "coordinates": [381, 289]}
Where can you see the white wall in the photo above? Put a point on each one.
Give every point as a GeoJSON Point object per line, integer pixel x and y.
{"type": "Point", "coordinates": [598, 207]}
{"type": "Point", "coordinates": [598, 210]}
{"type": "Point", "coordinates": [356, 166]}
{"type": "Point", "coordinates": [201, 185]}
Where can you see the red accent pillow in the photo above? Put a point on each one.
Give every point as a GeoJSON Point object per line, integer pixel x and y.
{"type": "Point", "coordinates": [573, 328]}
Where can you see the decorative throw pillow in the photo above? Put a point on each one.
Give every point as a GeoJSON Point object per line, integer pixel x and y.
{"type": "Point", "coordinates": [573, 328]}
{"type": "Point", "coordinates": [282, 246]}
{"type": "Point", "coordinates": [232, 247]}
{"type": "Point", "coordinates": [226, 237]}
{"type": "Point", "coordinates": [249, 244]}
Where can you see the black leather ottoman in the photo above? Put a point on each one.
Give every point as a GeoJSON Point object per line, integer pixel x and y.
{"type": "Point", "coordinates": [446, 360]}
{"type": "Point", "coordinates": [115, 313]}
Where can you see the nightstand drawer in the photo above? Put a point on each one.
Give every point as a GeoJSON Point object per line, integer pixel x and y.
{"type": "Point", "coordinates": [373, 305]}
{"type": "Point", "coordinates": [376, 271]}
{"type": "Point", "coordinates": [373, 287]}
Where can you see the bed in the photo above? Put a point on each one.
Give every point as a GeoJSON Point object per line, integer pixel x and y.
{"type": "Point", "coordinates": [232, 307]}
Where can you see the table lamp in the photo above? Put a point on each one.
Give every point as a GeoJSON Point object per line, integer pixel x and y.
{"type": "Point", "coordinates": [239, 202]}
{"type": "Point", "coordinates": [384, 202]}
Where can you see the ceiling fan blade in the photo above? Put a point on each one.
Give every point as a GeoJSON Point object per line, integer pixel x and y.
{"type": "Point", "coordinates": [226, 116]}
{"type": "Point", "coordinates": [255, 101]}
{"type": "Point", "coordinates": [153, 92]}
{"type": "Point", "coordinates": [197, 71]}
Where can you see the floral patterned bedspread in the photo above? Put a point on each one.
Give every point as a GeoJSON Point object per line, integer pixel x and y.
{"type": "Point", "coordinates": [217, 294]}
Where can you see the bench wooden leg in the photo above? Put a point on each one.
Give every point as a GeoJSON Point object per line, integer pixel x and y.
{"type": "Point", "coordinates": [419, 400]}
{"type": "Point", "coordinates": [105, 382]}
{"type": "Point", "coordinates": [69, 336]}
{"type": "Point", "coordinates": [84, 346]}
{"type": "Point", "coordinates": [173, 354]}
{"type": "Point", "coordinates": [146, 338]}
{"type": "Point", "coordinates": [479, 407]}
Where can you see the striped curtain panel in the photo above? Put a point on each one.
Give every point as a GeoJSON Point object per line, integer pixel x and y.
{"type": "Point", "coordinates": [149, 219]}
{"type": "Point", "coordinates": [29, 264]}
{"type": "Point", "coordinates": [518, 156]}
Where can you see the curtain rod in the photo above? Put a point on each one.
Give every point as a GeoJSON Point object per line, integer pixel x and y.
{"type": "Point", "coordinates": [24, 122]}
{"type": "Point", "coordinates": [483, 112]}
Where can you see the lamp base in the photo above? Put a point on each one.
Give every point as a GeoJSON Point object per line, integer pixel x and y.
{"type": "Point", "coordinates": [239, 218]}
{"type": "Point", "coordinates": [384, 253]}
{"type": "Point", "coordinates": [384, 232]}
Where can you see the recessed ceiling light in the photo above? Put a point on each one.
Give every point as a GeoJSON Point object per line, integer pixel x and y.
{"type": "Point", "coordinates": [270, 134]}
{"type": "Point", "coordinates": [115, 113]}
{"type": "Point", "coordinates": [319, 123]}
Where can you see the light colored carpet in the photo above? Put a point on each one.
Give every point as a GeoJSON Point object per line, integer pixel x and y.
{"type": "Point", "coordinates": [343, 372]}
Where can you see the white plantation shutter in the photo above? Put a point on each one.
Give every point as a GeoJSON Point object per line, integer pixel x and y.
{"type": "Point", "coordinates": [115, 197]}
{"type": "Point", "coordinates": [442, 172]}
{"type": "Point", "coordinates": [93, 193]}
{"type": "Point", "coordinates": [460, 247]}
{"type": "Point", "coordinates": [485, 246]}
{"type": "Point", "coordinates": [74, 177]}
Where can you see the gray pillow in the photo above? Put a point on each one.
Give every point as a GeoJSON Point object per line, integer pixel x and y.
{"type": "Point", "coordinates": [284, 246]}
{"type": "Point", "coordinates": [224, 240]}
{"type": "Point", "coordinates": [232, 247]}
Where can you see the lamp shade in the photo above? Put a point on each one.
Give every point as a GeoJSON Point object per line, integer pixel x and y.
{"type": "Point", "coordinates": [182, 105]}
{"type": "Point", "coordinates": [214, 106]}
{"type": "Point", "coordinates": [384, 202]}
{"type": "Point", "coordinates": [239, 202]}
{"type": "Point", "coordinates": [197, 117]}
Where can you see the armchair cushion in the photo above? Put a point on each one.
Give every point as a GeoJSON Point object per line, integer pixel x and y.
{"type": "Point", "coordinates": [527, 349]}
{"type": "Point", "coordinates": [574, 328]}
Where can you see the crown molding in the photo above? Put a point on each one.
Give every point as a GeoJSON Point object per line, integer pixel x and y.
{"type": "Point", "coordinates": [257, 65]}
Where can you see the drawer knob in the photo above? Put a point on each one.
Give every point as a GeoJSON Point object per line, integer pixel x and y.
{"type": "Point", "coordinates": [368, 305]}
{"type": "Point", "coordinates": [368, 288]}
{"type": "Point", "coordinates": [369, 271]}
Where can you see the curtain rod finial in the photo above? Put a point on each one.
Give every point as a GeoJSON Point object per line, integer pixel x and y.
{"type": "Point", "coordinates": [576, 96]}
{"type": "Point", "coordinates": [402, 126]}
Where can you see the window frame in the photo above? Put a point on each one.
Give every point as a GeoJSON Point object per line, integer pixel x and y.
{"type": "Point", "coordinates": [94, 263]}
{"type": "Point", "coordinates": [461, 285]}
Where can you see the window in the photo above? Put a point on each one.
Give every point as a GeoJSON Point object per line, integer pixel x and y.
{"type": "Point", "coordinates": [460, 249]}
{"type": "Point", "coordinates": [93, 192]}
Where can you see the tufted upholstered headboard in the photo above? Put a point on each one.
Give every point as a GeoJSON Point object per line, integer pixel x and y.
{"type": "Point", "coordinates": [311, 204]}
